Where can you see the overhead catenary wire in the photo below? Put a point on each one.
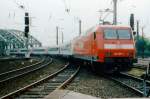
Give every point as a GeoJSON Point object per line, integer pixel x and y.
{"type": "Point", "coordinates": [67, 9]}
{"type": "Point", "coordinates": [21, 6]}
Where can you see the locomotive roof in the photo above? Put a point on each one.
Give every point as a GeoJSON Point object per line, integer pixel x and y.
{"type": "Point", "coordinates": [97, 27]}
{"type": "Point", "coordinates": [113, 26]}
{"type": "Point", "coordinates": [94, 28]}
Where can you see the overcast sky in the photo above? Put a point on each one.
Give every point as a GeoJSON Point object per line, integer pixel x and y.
{"type": "Point", "coordinates": [47, 14]}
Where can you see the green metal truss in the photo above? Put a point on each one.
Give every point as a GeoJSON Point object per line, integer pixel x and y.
{"type": "Point", "coordinates": [14, 39]}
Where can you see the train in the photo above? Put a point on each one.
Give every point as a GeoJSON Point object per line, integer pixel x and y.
{"type": "Point", "coordinates": [107, 46]}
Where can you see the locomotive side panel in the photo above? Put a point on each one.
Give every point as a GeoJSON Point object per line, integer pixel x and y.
{"type": "Point", "coordinates": [83, 47]}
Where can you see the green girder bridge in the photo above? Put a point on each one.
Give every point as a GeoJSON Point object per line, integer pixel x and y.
{"type": "Point", "coordinates": [15, 39]}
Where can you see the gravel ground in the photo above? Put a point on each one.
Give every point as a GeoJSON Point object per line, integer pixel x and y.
{"type": "Point", "coordinates": [98, 86]}
{"type": "Point", "coordinates": [13, 85]}
{"type": "Point", "coordinates": [11, 65]}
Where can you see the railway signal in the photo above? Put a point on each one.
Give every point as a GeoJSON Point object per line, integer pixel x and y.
{"type": "Point", "coordinates": [132, 21]}
{"type": "Point", "coordinates": [62, 37]}
{"type": "Point", "coordinates": [26, 30]}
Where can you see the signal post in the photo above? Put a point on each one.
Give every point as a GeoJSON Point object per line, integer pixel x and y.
{"type": "Point", "coordinates": [26, 32]}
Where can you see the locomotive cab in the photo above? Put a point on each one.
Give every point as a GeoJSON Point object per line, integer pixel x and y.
{"type": "Point", "coordinates": [118, 45]}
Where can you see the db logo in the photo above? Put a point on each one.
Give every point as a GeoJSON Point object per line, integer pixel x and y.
{"type": "Point", "coordinates": [118, 54]}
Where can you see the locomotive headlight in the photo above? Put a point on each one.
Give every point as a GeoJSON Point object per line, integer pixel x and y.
{"type": "Point", "coordinates": [108, 54]}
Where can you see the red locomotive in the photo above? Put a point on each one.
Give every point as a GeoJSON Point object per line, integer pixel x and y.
{"type": "Point", "coordinates": [109, 44]}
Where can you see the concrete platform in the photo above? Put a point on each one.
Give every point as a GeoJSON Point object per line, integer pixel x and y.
{"type": "Point", "coordinates": [66, 94]}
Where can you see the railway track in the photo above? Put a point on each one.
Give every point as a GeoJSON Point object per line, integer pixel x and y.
{"type": "Point", "coordinates": [142, 63]}
{"type": "Point", "coordinates": [133, 83]}
{"type": "Point", "coordinates": [12, 59]}
{"type": "Point", "coordinates": [25, 70]}
{"type": "Point", "coordinates": [43, 87]}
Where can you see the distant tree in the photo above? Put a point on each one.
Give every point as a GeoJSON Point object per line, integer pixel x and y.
{"type": "Point", "coordinates": [142, 44]}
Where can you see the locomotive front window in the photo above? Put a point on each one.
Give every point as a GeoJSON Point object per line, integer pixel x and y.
{"type": "Point", "coordinates": [117, 34]}
{"type": "Point", "coordinates": [124, 34]}
{"type": "Point", "coordinates": [110, 34]}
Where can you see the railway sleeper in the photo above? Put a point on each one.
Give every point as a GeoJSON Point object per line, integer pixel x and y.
{"type": "Point", "coordinates": [64, 75]}
{"type": "Point", "coordinates": [36, 93]}
{"type": "Point", "coordinates": [43, 89]}
{"type": "Point", "coordinates": [49, 90]}
{"type": "Point", "coordinates": [51, 87]}
{"type": "Point", "coordinates": [47, 84]}
{"type": "Point", "coordinates": [36, 89]}
{"type": "Point", "coordinates": [31, 96]}
{"type": "Point", "coordinates": [56, 81]}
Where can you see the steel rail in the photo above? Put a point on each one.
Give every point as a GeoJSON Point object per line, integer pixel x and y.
{"type": "Point", "coordinates": [63, 85]}
{"type": "Point", "coordinates": [134, 77]}
{"type": "Point", "coordinates": [25, 70]}
{"type": "Point", "coordinates": [127, 77]}
{"type": "Point", "coordinates": [128, 86]}
{"type": "Point", "coordinates": [130, 76]}
{"type": "Point", "coordinates": [11, 59]}
{"type": "Point", "coordinates": [35, 84]}
{"type": "Point", "coordinates": [20, 68]}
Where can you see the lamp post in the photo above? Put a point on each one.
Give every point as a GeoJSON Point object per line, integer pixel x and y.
{"type": "Point", "coordinates": [57, 35]}
{"type": "Point", "coordinates": [143, 49]}
{"type": "Point", "coordinates": [62, 35]}
{"type": "Point", "coordinates": [115, 12]}
{"type": "Point", "coordinates": [80, 25]}
{"type": "Point", "coordinates": [59, 29]}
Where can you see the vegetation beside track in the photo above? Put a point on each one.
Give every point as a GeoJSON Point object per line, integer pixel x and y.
{"type": "Point", "coordinates": [136, 72]}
